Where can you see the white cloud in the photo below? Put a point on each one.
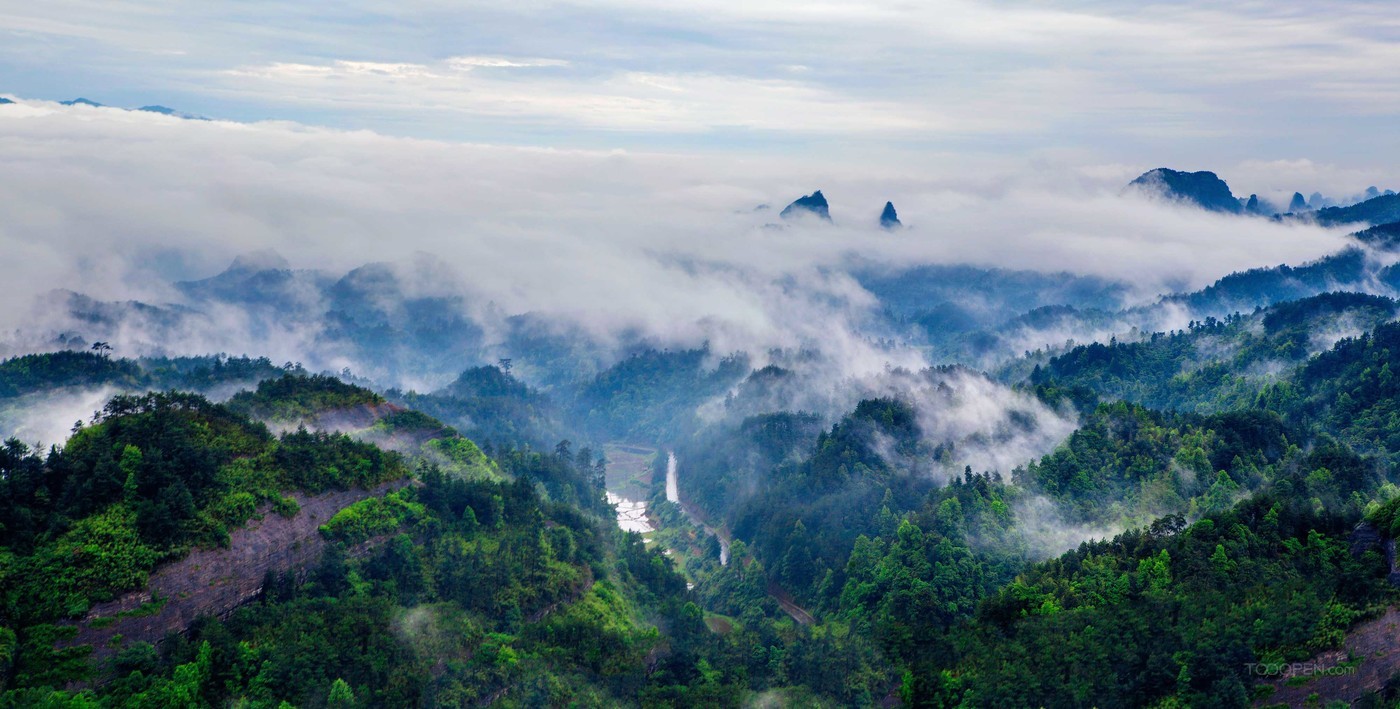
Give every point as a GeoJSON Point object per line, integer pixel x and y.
{"type": "Point", "coordinates": [666, 244]}
{"type": "Point", "coordinates": [468, 63]}
{"type": "Point", "coordinates": [637, 101]}
{"type": "Point", "coordinates": [1121, 81]}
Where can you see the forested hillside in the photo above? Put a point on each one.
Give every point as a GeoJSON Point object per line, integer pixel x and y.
{"type": "Point", "coordinates": [484, 580]}
{"type": "Point", "coordinates": [1216, 365]}
{"type": "Point", "coordinates": [1225, 503]}
{"type": "Point", "coordinates": [1145, 520]}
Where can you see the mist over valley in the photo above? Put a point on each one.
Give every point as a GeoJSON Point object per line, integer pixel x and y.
{"type": "Point", "coordinates": [766, 355]}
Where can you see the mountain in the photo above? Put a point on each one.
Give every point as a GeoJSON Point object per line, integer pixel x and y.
{"type": "Point", "coordinates": [1298, 203]}
{"type": "Point", "coordinates": [813, 204]}
{"type": "Point", "coordinates": [1203, 189]}
{"type": "Point", "coordinates": [1384, 209]}
{"type": "Point", "coordinates": [162, 110]}
{"type": "Point", "coordinates": [375, 318]}
{"type": "Point", "coordinates": [993, 294]}
{"type": "Point", "coordinates": [1382, 236]}
{"type": "Point", "coordinates": [1216, 364]}
{"type": "Point", "coordinates": [1207, 485]}
{"type": "Point", "coordinates": [167, 111]}
{"type": "Point", "coordinates": [260, 279]}
{"type": "Point", "coordinates": [382, 555]}
{"type": "Point", "coordinates": [263, 260]}
{"type": "Point", "coordinates": [4, 101]}
{"type": "Point", "coordinates": [175, 552]}
{"type": "Point", "coordinates": [889, 219]}
{"type": "Point", "coordinates": [1259, 206]}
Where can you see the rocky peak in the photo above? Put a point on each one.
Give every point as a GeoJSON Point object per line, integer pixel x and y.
{"type": "Point", "coordinates": [889, 219]}
{"type": "Point", "coordinates": [813, 204]}
{"type": "Point", "coordinates": [1203, 189]}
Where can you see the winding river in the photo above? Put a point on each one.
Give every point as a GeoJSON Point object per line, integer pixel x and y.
{"type": "Point", "coordinates": [673, 495]}
{"type": "Point", "coordinates": [632, 512]}
{"type": "Point", "coordinates": [673, 491]}
{"type": "Point", "coordinates": [632, 516]}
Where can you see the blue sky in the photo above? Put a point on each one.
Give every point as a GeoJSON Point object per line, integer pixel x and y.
{"type": "Point", "coordinates": [1190, 84]}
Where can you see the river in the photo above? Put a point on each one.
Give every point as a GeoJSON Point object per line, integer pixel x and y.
{"type": "Point", "coordinates": [629, 475]}
{"type": "Point", "coordinates": [673, 494]}
{"type": "Point", "coordinates": [628, 482]}
{"type": "Point", "coordinates": [673, 489]}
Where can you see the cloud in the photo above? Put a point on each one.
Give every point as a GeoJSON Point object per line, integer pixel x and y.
{"type": "Point", "coordinates": [629, 100]}
{"type": "Point", "coordinates": [1279, 179]}
{"type": "Point", "coordinates": [469, 63]}
{"type": "Point", "coordinates": [343, 69]}
{"type": "Point", "coordinates": [284, 71]}
{"type": "Point", "coordinates": [116, 204]}
{"type": "Point", "coordinates": [1117, 81]}
{"type": "Point", "coordinates": [1046, 532]}
{"type": "Point", "coordinates": [47, 418]}
{"type": "Point", "coordinates": [992, 427]}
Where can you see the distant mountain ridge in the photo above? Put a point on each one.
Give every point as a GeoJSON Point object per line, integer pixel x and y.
{"type": "Point", "coordinates": [1204, 189]}
{"type": "Point", "coordinates": [1384, 209]}
{"type": "Point", "coordinates": [1208, 191]}
{"type": "Point", "coordinates": [153, 108]}
{"type": "Point", "coordinates": [1382, 236]}
{"type": "Point", "coordinates": [167, 111]}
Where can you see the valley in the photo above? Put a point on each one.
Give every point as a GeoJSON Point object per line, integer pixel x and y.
{"type": "Point", "coordinates": [472, 357]}
{"type": "Point", "coordinates": [914, 526]}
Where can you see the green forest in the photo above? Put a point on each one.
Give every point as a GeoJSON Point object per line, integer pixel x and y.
{"type": "Point", "coordinates": [1226, 501]}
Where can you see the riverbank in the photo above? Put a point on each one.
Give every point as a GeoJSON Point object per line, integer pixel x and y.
{"type": "Point", "coordinates": [628, 483]}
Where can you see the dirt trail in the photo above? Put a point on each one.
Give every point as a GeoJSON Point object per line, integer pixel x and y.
{"type": "Point", "coordinates": [720, 534]}
{"type": "Point", "coordinates": [784, 599]}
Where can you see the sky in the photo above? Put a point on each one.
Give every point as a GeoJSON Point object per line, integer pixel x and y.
{"type": "Point", "coordinates": [1195, 85]}
{"type": "Point", "coordinates": [602, 162]}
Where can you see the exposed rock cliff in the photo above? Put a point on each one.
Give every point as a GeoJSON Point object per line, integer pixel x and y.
{"type": "Point", "coordinates": [215, 582]}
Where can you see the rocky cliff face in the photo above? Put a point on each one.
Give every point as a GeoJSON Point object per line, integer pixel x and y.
{"type": "Point", "coordinates": [215, 582]}
{"type": "Point", "coordinates": [1332, 675]}
{"type": "Point", "coordinates": [1367, 538]}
